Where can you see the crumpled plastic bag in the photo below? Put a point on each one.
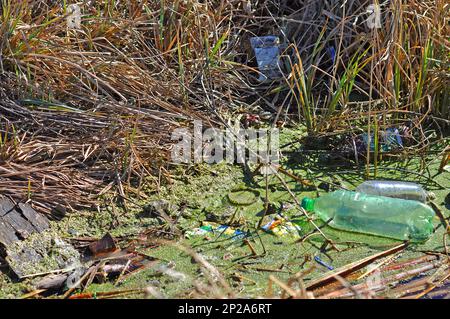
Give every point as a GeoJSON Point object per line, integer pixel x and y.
{"type": "Point", "coordinates": [267, 50]}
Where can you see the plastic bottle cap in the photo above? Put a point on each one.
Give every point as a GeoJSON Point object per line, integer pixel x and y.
{"type": "Point", "coordinates": [308, 204]}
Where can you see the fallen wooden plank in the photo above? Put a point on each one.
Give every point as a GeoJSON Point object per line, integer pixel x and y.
{"type": "Point", "coordinates": [382, 285]}
{"type": "Point", "coordinates": [18, 221]}
{"type": "Point", "coordinates": [6, 205]}
{"type": "Point", "coordinates": [11, 216]}
{"type": "Point", "coordinates": [37, 220]}
{"type": "Point", "coordinates": [22, 226]}
{"type": "Point", "coordinates": [27, 254]}
{"type": "Point", "coordinates": [7, 233]}
{"type": "Point", "coordinates": [41, 253]}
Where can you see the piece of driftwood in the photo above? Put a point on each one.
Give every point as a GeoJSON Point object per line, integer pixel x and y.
{"type": "Point", "coordinates": [38, 220]}
{"type": "Point", "coordinates": [7, 233]}
{"type": "Point", "coordinates": [43, 253]}
{"type": "Point", "coordinates": [18, 222]}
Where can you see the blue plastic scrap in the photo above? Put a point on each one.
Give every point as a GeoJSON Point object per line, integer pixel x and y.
{"type": "Point", "coordinates": [210, 228]}
{"type": "Point", "coordinates": [267, 52]}
{"type": "Point", "coordinates": [332, 52]}
{"type": "Point", "coordinates": [389, 139]}
{"type": "Point", "coordinates": [321, 262]}
{"type": "Point", "coordinates": [392, 137]}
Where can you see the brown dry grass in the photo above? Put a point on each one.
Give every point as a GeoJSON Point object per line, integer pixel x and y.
{"type": "Point", "coordinates": [89, 108]}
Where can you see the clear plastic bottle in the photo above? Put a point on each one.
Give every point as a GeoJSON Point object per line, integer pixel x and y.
{"type": "Point", "coordinates": [376, 215]}
{"type": "Point", "coordinates": [397, 189]}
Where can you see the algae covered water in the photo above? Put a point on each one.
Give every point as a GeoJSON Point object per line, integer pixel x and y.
{"type": "Point", "coordinates": [376, 215]}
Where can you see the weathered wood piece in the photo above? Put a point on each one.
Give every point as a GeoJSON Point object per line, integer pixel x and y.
{"type": "Point", "coordinates": [28, 248]}
{"type": "Point", "coordinates": [41, 253]}
{"type": "Point", "coordinates": [6, 205]}
{"type": "Point", "coordinates": [22, 226]}
{"type": "Point", "coordinates": [37, 220]}
{"type": "Point", "coordinates": [7, 233]}
{"type": "Point", "coordinates": [18, 221]}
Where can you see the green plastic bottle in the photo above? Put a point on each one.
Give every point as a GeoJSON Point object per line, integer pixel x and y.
{"type": "Point", "coordinates": [376, 215]}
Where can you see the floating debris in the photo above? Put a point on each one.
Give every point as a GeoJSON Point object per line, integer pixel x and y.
{"type": "Point", "coordinates": [396, 189]}
{"type": "Point", "coordinates": [321, 262]}
{"type": "Point", "coordinates": [281, 227]}
{"type": "Point", "coordinates": [374, 215]}
{"type": "Point", "coordinates": [390, 139]}
{"type": "Point", "coordinates": [209, 229]}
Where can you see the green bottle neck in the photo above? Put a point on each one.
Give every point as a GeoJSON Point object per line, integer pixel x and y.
{"type": "Point", "coordinates": [308, 204]}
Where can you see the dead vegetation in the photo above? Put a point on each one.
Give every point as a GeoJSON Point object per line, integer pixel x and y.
{"type": "Point", "coordinates": [86, 112]}
{"type": "Point", "coordinates": [89, 107]}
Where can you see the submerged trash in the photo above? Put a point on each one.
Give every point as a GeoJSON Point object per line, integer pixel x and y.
{"type": "Point", "coordinates": [376, 215]}
{"type": "Point", "coordinates": [211, 228]}
{"type": "Point", "coordinates": [389, 139]}
{"type": "Point", "coordinates": [267, 51]}
{"type": "Point", "coordinates": [281, 227]}
{"type": "Point", "coordinates": [397, 189]}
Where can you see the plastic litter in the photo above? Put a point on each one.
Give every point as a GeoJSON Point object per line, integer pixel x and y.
{"type": "Point", "coordinates": [397, 189]}
{"type": "Point", "coordinates": [213, 229]}
{"type": "Point", "coordinates": [376, 215]}
{"type": "Point", "coordinates": [74, 16]}
{"type": "Point", "coordinates": [281, 227]}
{"type": "Point", "coordinates": [389, 139]}
{"type": "Point", "coordinates": [332, 52]}
{"type": "Point", "coordinates": [321, 262]}
{"type": "Point", "coordinates": [267, 50]}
